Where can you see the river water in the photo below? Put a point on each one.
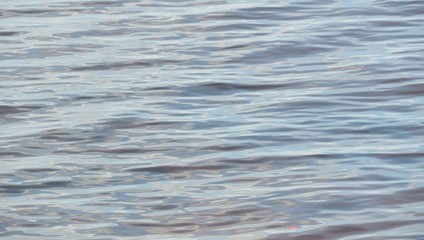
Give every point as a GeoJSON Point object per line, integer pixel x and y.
{"type": "Point", "coordinates": [212, 119]}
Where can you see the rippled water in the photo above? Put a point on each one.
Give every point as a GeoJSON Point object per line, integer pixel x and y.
{"type": "Point", "coordinates": [138, 119]}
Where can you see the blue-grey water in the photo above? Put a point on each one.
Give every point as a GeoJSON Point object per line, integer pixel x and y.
{"type": "Point", "coordinates": [212, 119]}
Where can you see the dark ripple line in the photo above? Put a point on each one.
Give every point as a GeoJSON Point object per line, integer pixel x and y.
{"type": "Point", "coordinates": [99, 3]}
{"type": "Point", "coordinates": [36, 12]}
{"type": "Point", "coordinates": [12, 154]}
{"type": "Point", "coordinates": [230, 148]}
{"type": "Point", "coordinates": [407, 157]}
{"type": "Point", "coordinates": [11, 33]}
{"type": "Point", "coordinates": [185, 224]}
{"type": "Point", "coordinates": [339, 231]}
{"type": "Point", "coordinates": [4, 109]}
{"type": "Point", "coordinates": [161, 225]}
{"type": "Point", "coordinates": [120, 151]}
{"type": "Point", "coordinates": [40, 170]}
{"type": "Point", "coordinates": [278, 52]}
{"type": "Point", "coordinates": [221, 88]}
{"type": "Point", "coordinates": [125, 64]}
{"type": "Point", "coordinates": [18, 188]}
{"type": "Point", "coordinates": [259, 13]}
{"type": "Point", "coordinates": [178, 169]}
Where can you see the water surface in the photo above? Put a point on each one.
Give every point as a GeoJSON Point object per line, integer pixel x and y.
{"type": "Point", "coordinates": [211, 119]}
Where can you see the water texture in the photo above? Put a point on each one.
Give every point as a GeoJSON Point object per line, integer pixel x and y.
{"type": "Point", "coordinates": [209, 119]}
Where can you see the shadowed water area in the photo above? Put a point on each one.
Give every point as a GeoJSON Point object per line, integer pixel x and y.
{"type": "Point", "coordinates": [166, 119]}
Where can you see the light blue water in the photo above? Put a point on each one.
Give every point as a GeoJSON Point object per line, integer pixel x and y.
{"type": "Point", "coordinates": [211, 119]}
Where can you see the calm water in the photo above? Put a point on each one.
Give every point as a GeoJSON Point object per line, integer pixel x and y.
{"type": "Point", "coordinates": [208, 119]}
